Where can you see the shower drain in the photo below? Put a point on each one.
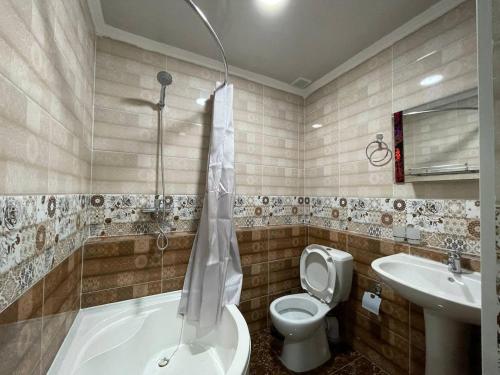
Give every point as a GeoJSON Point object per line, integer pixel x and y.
{"type": "Point", "coordinates": [163, 362]}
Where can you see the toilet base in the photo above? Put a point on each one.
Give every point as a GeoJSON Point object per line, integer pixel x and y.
{"type": "Point", "coordinates": [306, 354]}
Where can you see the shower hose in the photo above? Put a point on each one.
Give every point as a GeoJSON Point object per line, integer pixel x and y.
{"type": "Point", "coordinates": [161, 213]}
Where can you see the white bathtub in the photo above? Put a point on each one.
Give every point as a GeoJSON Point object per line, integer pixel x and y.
{"type": "Point", "coordinates": [130, 337]}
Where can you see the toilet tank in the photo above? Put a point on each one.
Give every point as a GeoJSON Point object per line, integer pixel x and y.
{"type": "Point", "coordinates": [344, 267]}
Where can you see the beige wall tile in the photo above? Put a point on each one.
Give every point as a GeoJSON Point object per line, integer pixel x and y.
{"type": "Point", "coordinates": [267, 126]}
{"type": "Point", "coordinates": [282, 127]}
{"type": "Point", "coordinates": [47, 73]}
{"type": "Point", "coordinates": [49, 60]}
{"type": "Point", "coordinates": [359, 104]}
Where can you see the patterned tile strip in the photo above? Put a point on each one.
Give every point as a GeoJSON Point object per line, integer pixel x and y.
{"type": "Point", "coordinates": [38, 232]}
{"type": "Point", "coordinates": [445, 224]}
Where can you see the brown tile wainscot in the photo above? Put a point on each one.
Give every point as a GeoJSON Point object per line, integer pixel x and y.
{"type": "Point", "coordinates": [33, 328]}
{"type": "Point", "coordinates": [395, 340]}
{"type": "Point", "coordinates": [120, 268]}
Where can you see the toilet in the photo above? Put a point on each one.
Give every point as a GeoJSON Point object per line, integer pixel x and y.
{"type": "Point", "coordinates": [326, 276]}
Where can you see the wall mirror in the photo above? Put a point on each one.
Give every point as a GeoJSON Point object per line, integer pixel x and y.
{"type": "Point", "coordinates": [438, 140]}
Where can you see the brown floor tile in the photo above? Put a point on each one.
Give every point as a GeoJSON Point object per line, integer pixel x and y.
{"type": "Point", "coordinates": [360, 366]}
{"type": "Point", "coordinates": [265, 359]}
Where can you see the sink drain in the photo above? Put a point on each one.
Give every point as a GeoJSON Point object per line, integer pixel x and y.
{"type": "Point", "coordinates": [163, 362]}
{"type": "Point", "coordinates": [451, 279]}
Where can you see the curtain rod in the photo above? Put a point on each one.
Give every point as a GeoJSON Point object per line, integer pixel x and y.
{"type": "Point", "coordinates": [214, 35]}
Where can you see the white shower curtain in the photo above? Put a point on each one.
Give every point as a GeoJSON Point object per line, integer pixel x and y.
{"type": "Point", "coordinates": [214, 276]}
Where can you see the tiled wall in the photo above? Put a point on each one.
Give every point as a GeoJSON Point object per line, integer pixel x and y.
{"type": "Point", "coordinates": [359, 104]}
{"type": "Point", "coordinates": [132, 267]}
{"type": "Point", "coordinates": [121, 214]}
{"type": "Point", "coordinates": [268, 127]}
{"type": "Point", "coordinates": [37, 232]}
{"type": "Point", "coordinates": [451, 224]}
{"type": "Point", "coordinates": [121, 268]}
{"type": "Point", "coordinates": [33, 328]}
{"type": "Point", "coordinates": [46, 119]}
{"type": "Point", "coordinates": [47, 85]}
{"type": "Point", "coordinates": [395, 340]}
{"type": "Point", "coordinates": [47, 112]}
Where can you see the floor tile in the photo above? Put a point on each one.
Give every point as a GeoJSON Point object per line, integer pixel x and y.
{"type": "Point", "coordinates": [265, 359]}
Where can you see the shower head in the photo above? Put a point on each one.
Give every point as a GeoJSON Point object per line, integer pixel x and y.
{"type": "Point", "coordinates": [165, 79]}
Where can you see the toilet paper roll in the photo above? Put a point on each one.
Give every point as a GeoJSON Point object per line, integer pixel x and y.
{"type": "Point", "coordinates": [371, 302]}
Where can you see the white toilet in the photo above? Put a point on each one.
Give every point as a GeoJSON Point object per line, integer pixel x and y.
{"type": "Point", "coordinates": [326, 276]}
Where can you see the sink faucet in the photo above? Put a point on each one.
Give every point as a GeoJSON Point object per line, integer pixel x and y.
{"type": "Point", "coordinates": [454, 265]}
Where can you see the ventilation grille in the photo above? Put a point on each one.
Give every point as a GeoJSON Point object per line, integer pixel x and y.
{"type": "Point", "coordinates": [301, 82]}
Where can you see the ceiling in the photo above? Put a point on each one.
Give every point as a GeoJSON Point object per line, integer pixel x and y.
{"type": "Point", "coordinates": [306, 38]}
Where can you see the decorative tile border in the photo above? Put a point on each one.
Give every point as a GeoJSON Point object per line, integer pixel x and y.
{"type": "Point", "coordinates": [37, 232]}
{"type": "Point", "coordinates": [122, 214]}
{"type": "Point", "coordinates": [117, 215]}
{"type": "Point", "coordinates": [445, 224]}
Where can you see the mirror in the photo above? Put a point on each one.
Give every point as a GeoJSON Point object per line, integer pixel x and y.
{"type": "Point", "coordinates": [438, 140]}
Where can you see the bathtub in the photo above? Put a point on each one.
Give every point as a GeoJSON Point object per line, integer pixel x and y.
{"type": "Point", "coordinates": [130, 338]}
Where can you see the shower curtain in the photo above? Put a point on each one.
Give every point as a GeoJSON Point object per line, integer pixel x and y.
{"type": "Point", "coordinates": [214, 276]}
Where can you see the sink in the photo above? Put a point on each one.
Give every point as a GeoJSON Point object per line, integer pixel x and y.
{"type": "Point", "coordinates": [429, 284]}
{"type": "Point", "coordinates": [451, 303]}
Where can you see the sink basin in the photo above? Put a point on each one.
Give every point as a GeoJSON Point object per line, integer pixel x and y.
{"type": "Point", "coordinates": [451, 303]}
{"type": "Point", "coordinates": [429, 284]}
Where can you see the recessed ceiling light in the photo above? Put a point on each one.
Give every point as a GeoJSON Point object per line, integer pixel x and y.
{"type": "Point", "coordinates": [316, 126]}
{"type": "Point", "coordinates": [271, 6]}
{"type": "Point", "coordinates": [431, 80]}
{"type": "Point", "coordinates": [201, 101]}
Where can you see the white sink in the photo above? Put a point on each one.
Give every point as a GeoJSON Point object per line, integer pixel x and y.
{"type": "Point", "coordinates": [451, 302]}
{"type": "Point", "coordinates": [429, 284]}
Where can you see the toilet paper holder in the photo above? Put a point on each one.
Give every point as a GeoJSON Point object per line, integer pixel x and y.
{"type": "Point", "coordinates": [377, 289]}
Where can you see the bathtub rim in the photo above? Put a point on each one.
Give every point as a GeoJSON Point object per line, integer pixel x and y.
{"type": "Point", "coordinates": [240, 361]}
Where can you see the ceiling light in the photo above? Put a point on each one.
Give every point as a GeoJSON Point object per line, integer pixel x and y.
{"type": "Point", "coordinates": [271, 6]}
{"type": "Point", "coordinates": [316, 126]}
{"type": "Point", "coordinates": [201, 101]}
{"type": "Point", "coordinates": [431, 80]}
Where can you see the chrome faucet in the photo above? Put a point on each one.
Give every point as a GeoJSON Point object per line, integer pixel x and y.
{"type": "Point", "coordinates": [454, 265]}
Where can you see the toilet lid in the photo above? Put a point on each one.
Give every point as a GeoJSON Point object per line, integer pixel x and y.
{"type": "Point", "coordinates": [317, 272]}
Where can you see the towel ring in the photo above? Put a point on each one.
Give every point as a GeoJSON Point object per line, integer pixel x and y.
{"type": "Point", "coordinates": [379, 161]}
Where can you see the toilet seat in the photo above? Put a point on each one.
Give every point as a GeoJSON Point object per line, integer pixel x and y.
{"type": "Point", "coordinates": [298, 309]}
{"type": "Point", "coordinates": [318, 273]}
